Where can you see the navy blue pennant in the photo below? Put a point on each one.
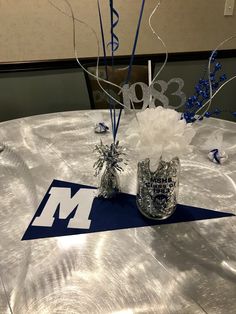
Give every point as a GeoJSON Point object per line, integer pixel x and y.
{"type": "Point", "coordinates": [106, 215]}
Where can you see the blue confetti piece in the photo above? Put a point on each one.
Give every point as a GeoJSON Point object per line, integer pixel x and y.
{"type": "Point", "coordinates": [207, 114]}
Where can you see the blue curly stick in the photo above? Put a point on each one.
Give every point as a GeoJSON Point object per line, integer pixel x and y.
{"type": "Point", "coordinates": [114, 43]}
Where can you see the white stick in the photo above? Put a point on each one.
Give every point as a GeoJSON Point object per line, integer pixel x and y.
{"type": "Point", "coordinates": [149, 72]}
{"type": "Point", "coordinates": [150, 81]}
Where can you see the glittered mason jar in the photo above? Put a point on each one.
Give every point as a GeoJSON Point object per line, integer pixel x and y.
{"type": "Point", "coordinates": [157, 191]}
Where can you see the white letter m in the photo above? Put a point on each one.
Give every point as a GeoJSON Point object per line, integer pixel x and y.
{"type": "Point", "coordinates": [61, 197]}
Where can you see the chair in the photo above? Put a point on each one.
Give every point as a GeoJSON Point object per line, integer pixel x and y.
{"type": "Point", "coordinates": [118, 75]}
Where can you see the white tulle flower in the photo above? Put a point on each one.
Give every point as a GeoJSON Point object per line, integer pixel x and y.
{"type": "Point", "coordinates": [160, 132]}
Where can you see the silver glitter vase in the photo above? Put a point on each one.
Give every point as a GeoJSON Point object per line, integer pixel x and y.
{"type": "Point", "coordinates": [110, 184]}
{"type": "Point", "coordinates": [157, 191]}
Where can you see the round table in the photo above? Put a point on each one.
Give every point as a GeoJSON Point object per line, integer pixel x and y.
{"type": "Point", "coordinates": [187, 267]}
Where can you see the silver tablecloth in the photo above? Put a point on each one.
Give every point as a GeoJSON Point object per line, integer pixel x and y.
{"type": "Point", "coordinates": [178, 268]}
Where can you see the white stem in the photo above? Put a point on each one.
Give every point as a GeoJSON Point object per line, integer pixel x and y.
{"type": "Point", "coordinates": [149, 72]}
{"type": "Point", "coordinates": [159, 38]}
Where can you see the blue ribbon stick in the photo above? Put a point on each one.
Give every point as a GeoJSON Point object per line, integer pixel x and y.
{"type": "Point", "coordinates": [114, 46]}
{"type": "Point", "coordinates": [105, 62]}
{"type": "Point", "coordinates": [114, 43]}
{"type": "Point", "coordinates": [131, 59]}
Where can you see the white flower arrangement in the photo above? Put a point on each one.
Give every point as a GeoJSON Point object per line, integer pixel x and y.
{"type": "Point", "coordinates": [160, 132]}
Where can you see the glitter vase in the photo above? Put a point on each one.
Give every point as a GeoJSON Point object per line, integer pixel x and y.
{"type": "Point", "coordinates": [157, 191]}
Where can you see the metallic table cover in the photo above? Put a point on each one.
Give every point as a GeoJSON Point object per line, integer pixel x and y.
{"type": "Point", "coordinates": [178, 268]}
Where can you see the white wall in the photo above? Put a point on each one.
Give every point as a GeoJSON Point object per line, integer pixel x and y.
{"type": "Point", "coordinates": [34, 30]}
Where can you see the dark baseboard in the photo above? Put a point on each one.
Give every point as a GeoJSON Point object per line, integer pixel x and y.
{"type": "Point", "coordinates": [139, 59]}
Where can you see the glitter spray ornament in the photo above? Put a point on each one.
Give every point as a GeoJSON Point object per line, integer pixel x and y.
{"type": "Point", "coordinates": [110, 157]}
{"type": "Point", "coordinates": [157, 190]}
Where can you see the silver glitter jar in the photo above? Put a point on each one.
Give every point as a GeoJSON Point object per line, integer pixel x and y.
{"type": "Point", "coordinates": [157, 191]}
